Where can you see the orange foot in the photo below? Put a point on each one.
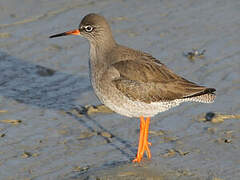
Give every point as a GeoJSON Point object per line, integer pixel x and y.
{"type": "Point", "coordinates": [143, 144]}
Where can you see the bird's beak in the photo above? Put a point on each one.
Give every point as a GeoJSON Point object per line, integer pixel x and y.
{"type": "Point", "coordinates": [72, 32]}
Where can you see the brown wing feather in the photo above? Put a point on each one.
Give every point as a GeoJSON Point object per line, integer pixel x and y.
{"type": "Point", "coordinates": [150, 81]}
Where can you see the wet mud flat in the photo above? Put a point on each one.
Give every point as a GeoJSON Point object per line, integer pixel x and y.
{"type": "Point", "coordinates": [51, 126]}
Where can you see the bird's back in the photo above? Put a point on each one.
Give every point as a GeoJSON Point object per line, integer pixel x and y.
{"type": "Point", "coordinates": [138, 70]}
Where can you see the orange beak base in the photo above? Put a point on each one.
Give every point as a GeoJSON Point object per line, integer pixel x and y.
{"type": "Point", "coordinates": [72, 32]}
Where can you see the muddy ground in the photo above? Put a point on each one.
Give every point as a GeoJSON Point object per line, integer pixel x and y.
{"type": "Point", "coordinates": [48, 127]}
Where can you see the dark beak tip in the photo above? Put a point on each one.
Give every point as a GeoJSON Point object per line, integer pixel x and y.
{"type": "Point", "coordinates": [57, 35]}
{"type": "Point", "coordinates": [52, 36]}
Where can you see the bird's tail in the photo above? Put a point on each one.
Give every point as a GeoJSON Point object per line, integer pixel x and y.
{"type": "Point", "coordinates": [206, 96]}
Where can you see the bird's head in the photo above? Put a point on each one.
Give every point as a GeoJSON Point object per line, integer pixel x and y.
{"type": "Point", "coordinates": [93, 27]}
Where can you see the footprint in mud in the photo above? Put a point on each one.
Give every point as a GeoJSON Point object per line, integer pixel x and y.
{"type": "Point", "coordinates": [42, 71]}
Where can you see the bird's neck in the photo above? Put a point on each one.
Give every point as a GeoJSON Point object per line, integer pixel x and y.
{"type": "Point", "coordinates": [98, 61]}
{"type": "Point", "coordinates": [99, 52]}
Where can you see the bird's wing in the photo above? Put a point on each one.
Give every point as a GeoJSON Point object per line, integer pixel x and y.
{"type": "Point", "coordinates": [150, 81]}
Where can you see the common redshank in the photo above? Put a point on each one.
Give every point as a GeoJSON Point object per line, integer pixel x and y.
{"type": "Point", "coordinates": [133, 83]}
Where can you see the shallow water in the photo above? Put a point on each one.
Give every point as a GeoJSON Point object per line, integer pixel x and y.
{"type": "Point", "coordinates": [45, 84]}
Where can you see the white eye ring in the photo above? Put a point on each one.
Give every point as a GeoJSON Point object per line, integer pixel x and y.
{"type": "Point", "coordinates": [88, 28]}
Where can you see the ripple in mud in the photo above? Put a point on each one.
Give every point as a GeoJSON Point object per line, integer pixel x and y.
{"type": "Point", "coordinates": [33, 84]}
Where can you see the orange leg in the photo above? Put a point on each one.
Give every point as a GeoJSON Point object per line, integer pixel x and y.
{"type": "Point", "coordinates": [145, 141]}
{"type": "Point", "coordinates": [140, 142]}
{"type": "Point", "coordinates": [143, 144]}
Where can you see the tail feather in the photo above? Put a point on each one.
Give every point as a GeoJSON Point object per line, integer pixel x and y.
{"type": "Point", "coordinates": [206, 96]}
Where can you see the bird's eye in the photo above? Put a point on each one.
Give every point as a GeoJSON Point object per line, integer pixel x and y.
{"type": "Point", "coordinates": [88, 28]}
